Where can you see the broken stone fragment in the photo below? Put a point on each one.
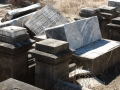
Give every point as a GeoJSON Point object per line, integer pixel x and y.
{"type": "Point", "coordinates": [20, 12]}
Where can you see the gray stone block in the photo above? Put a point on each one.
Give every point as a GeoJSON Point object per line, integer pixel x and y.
{"type": "Point", "coordinates": [52, 46]}
{"type": "Point", "coordinates": [107, 9]}
{"type": "Point", "coordinates": [109, 15]}
{"type": "Point", "coordinates": [116, 20]}
{"type": "Point", "coordinates": [113, 26]}
{"type": "Point", "coordinates": [44, 18]}
{"type": "Point", "coordinates": [12, 84]}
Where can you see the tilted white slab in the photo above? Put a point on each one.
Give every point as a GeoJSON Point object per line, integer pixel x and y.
{"type": "Point", "coordinates": [114, 3]}
{"type": "Point", "coordinates": [12, 31]}
{"type": "Point", "coordinates": [78, 34]}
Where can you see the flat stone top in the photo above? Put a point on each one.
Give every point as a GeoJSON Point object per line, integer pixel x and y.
{"type": "Point", "coordinates": [107, 7]}
{"type": "Point", "coordinates": [52, 46]}
{"type": "Point", "coordinates": [97, 48]}
{"type": "Point", "coordinates": [117, 18]}
{"type": "Point", "coordinates": [12, 84]}
{"type": "Point", "coordinates": [114, 0]}
{"type": "Point", "coordinates": [12, 31]}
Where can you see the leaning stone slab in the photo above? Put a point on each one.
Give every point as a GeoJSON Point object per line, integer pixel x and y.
{"type": "Point", "coordinates": [78, 34]}
{"type": "Point", "coordinates": [12, 84]}
{"type": "Point", "coordinates": [114, 3]}
{"type": "Point", "coordinates": [44, 18]}
{"type": "Point", "coordinates": [18, 21]}
{"type": "Point", "coordinates": [20, 12]}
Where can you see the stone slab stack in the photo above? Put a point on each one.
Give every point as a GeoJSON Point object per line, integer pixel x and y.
{"type": "Point", "coordinates": [114, 28]}
{"type": "Point", "coordinates": [14, 44]}
{"type": "Point", "coordinates": [52, 58]}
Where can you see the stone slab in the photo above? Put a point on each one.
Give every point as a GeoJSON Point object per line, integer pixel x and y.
{"type": "Point", "coordinates": [98, 56]}
{"type": "Point", "coordinates": [12, 84]}
{"type": "Point", "coordinates": [78, 34]}
{"type": "Point", "coordinates": [12, 31]}
{"type": "Point", "coordinates": [52, 46]}
{"type": "Point", "coordinates": [113, 26]}
{"type": "Point", "coordinates": [40, 38]}
{"type": "Point", "coordinates": [114, 3]}
{"type": "Point", "coordinates": [109, 15]}
{"type": "Point", "coordinates": [107, 9]}
{"type": "Point", "coordinates": [116, 20]}
{"type": "Point", "coordinates": [44, 18]}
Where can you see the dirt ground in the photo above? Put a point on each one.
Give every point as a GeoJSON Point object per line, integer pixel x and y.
{"type": "Point", "coordinates": [71, 10]}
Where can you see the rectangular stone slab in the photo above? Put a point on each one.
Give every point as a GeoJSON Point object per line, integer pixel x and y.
{"type": "Point", "coordinates": [12, 84]}
{"type": "Point", "coordinates": [78, 34]}
{"type": "Point", "coordinates": [52, 46]}
{"type": "Point", "coordinates": [116, 20]}
{"type": "Point", "coordinates": [107, 9]}
{"type": "Point", "coordinates": [113, 26]}
{"type": "Point", "coordinates": [98, 56]}
{"type": "Point", "coordinates": [114, 3]}
{"type": "Point", "coordinates": [109, 15]}
{"type": "Point", "coordinates": [44, 18]}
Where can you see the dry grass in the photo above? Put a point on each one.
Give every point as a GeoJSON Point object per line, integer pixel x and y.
{"type": "Point", "coordinates": [71, 8]}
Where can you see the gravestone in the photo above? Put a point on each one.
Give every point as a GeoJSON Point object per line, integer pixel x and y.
{"type": "Point", "coordinates": [114, 3]}
{"type": "Point", "coordinates": [12, 84]}
{"type": "Point", "coordinates": [91, 50]}
{"type": "Point", "coordinates": [14, 44]}
{"type": "Point", "coordinates": [78, 34]}
{"type": "Point", "coordinates": [52, 58]}
{"type": "Point", "coordinates": [45, 17]}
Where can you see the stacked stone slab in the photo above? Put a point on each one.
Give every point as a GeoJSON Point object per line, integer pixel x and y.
{"type": "Point", "coordinates": [114, 3]}
{"type": "Point", "coordinates": [12, 84]}
{"type": "Point", "coordinates": [89, 12]}
{"type": "Point", "coordinates": [114, 27]}
{"type": "Point", "coordinates": [108, 12]}
{"type": "Point", "coordinates": [14, 44]}
{"type": "Point", "coordinates": [92, 52]}
{"type": "Point", "coordinates": [52, 58]}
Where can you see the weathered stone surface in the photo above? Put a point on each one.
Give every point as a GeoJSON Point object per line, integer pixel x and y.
{"type": "Point", "coordinates": [16, 13]}
{"type": "Point", "coordinates": [51, 67]}
{"type": "Point", "coordinates": [92, 58]}
{"type": "Point", "coordinates": [77, 33]}
{"type": "Point", "coordinates": [52, 46]}
{"type": "Point", "coordinates": [12, 84]}
{"type": "Point", "coordinates": [12, 31]}
{"type": "Point", "coordinates": [18, 21]}
{"type": "Point", "coordinates": [63, 85]}
{"type": "Point", "coordinates": [72, 67]}
{"type": "Point", "coordinates": [114, 3]}
{"type": "Point", "coordinates": [109, 15]}
{"type": "Point", "coordinates": [44, 18]}
{"type": "Point", "coordinates": [107, 9]}
{"type": "Point", "coordinates": [113, 26]}
{"type": "Point", "coordinates": [116, 20]}
{"type": "Point", "coordinates": [89, 82]}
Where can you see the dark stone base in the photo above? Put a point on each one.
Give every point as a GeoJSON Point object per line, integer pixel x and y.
{"type": "Point", "coordinates": [46, 74]}
{"type": "Point", "coordinates": [13, 67]}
